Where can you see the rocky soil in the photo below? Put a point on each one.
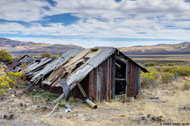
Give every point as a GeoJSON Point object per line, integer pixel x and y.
{"type": "Point", "coordinates": [166, 104]}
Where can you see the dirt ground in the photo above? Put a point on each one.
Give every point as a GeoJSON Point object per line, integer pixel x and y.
{"type": "Point", "coordinates": [164, 104]}
{"type": "Point", "coordinates": [2, 69]}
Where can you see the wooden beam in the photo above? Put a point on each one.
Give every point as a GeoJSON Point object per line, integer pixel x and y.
{"type": "Point", "coordinates": [120, 79]}
{"type": "Point", "coordinates": [82, 90]}
{"type": "Point", "coordinates": [113, 77]}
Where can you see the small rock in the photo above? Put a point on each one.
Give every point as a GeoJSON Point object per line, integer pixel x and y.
{"type": "Point", "coordinates": [148, 116]}
{"type": "Point", "coordinates": [21, 105]}
{"type": "Point", "coordinates": [153, 118]}
{"type": "Point", "coordinates": [8, 117]}
{"type": "Point", "coordinates": [143, 118]}
{"type": "Point", "coordinates": [154, 97]}
{"type": "Point", "coordinates": [122, 115]}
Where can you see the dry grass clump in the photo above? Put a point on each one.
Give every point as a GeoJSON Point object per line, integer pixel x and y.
{"type": "Point", "coordinates": [186, 85]}
{"type": "Point", "coordinates": [149, 78]}
{"type": "Point", "coordinates": [150, 64]}
{"type": "Point", "coordinates": [167, 77]}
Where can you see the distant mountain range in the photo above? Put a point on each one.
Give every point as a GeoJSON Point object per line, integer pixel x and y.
{"type": "Point", "coordinates": [181, 48]}
{"type": "Point", "coordinates": [20, 48]}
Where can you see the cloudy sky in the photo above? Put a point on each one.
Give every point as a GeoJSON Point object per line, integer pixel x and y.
{"type": "Point", "coordinates": [91, 23]}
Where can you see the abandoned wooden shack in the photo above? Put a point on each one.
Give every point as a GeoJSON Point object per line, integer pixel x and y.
{"type": "Point", "coordinates": [97, 74]}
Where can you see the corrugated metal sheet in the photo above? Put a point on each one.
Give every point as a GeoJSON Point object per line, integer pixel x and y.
{"type": "Point", "coordinates": [55, 64]}
{"type": "Point", "coordinates": [27, 60]}
{"type": "Point", "coordinates": [81, 72]}
{"type": "Point", "coordinates": [37, 66]}
{"type": "Point", "coordinates": [69, 67]}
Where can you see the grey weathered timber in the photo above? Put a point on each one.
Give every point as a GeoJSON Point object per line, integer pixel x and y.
{"type": "Point", "coordinates": [126, 77]}
{"type": "Point", "coordinates": [55, 64]}
{"type": "Point", "coordinates": [43, 62]}
{"type": "Point", "coordinates": [82, 90]}
{"type": "Point", "coordinates": [27, 60]}
{"type": "Point", "coordinates": [122, 55]}
{"type": "Point", "coordinates": [113, 77]}
{"type": "Point", "coordinates": [59, 98]}
{"type": "Point", "coordinates": [85, 69]}
{"type": "Point", "coordinates": [139, 81]}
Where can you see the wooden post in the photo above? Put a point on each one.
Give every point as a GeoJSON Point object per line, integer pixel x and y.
{"type": "Point", "coordinates": [126, 77]}
{"type": "Point", "coordinates": [139, 81]}
{"type": "Point", "coordinates": [82, 90]}
{"type": "Point", "coordinates": [113, 77]}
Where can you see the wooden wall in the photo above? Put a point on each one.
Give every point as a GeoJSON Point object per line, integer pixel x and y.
{"type": "Point", "coordinates": [100, 84]}
{"type": "Point", "coordinates": [133, 81]}
{"type": "Point", "coordinates": [100, 81]}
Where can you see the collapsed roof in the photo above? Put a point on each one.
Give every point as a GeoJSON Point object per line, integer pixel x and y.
{"type": "Point", "coordinates": [74, 65]}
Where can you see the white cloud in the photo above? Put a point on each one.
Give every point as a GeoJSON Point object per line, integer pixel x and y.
{"type": "Point", "coordinates": [126, 19]}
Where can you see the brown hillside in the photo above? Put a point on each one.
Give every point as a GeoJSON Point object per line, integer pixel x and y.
{"type": "Point", "coordinates": [20, 48]}
{"type": "Point", "coordinates": [181, 48]}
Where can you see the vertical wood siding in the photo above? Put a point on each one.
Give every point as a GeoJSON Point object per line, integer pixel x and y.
{"type": "Point", "coordinates": [133, 79]}
{"type": "Point", "coordinates": [100, 81]}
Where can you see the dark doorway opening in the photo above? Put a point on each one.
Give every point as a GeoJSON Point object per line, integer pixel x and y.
{"type": "Point", "coordinates": [120, 78]}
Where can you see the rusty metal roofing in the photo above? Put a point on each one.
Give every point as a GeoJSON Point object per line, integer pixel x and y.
{"type": "Point", "coordinates": [79, 66]}
{"type": "Point", "coordinates": [81, 72]}
{"type": "Point", "coordinates": [55, 64]}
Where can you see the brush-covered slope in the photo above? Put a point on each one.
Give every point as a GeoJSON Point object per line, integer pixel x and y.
{"type": "Point", "coordinates": [20, 48]}
{"type": "Point", "coordinates": [181, 48]}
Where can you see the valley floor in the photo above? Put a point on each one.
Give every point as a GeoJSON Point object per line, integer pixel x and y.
{"type": "Point", "coordinates": [164, 104]}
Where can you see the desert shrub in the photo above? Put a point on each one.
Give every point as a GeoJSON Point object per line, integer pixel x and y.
{"type": "Point", "coordinates": [171, 64]}
{"type": "Point", "coordinates": [5, 56]}
{"type": "Point", "coordinates": [149, 78]}
{"type": "Point", "coordinates": [176, 75]}
{"type": "Point", "coordinates": [55, 56]}
{"type": "Point", "coordinates": [182, 71]}
{"type": "Point", "coordinates": [150, 64]}
{"type": "Point", "coordinates": [46, 54]}
{"type": "Point", "coordinates": [3, 83]}
{"type": "Point", "coordinates": [167, 77]}
{"type": "Point", "coordinates": [168, 69]}
{"type": "Point", "coordinates": [9, 80]}
{"type": "Point", "coordinates": [161, 64]}
{"type": "Point", "coordinates": [186, 85]}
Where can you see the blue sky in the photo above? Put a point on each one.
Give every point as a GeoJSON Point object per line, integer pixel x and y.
{"type": "Point", "coordinates": [89, 23]}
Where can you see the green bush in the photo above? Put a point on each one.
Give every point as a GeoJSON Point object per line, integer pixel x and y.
{"type": "Point", "coordinates": [180, 71]}
{"type": "Point", "coordinates": [171, 64]}
{"type": "Point", "coordinates": [168, 69]}
{"type": "Point", "coordinates": [183, 71]}
{"type": "Point", "coordinates": [187, 85]}
{"type": "Point", "coordinates": [9, 80]}
{"type": "Point", "coordinates": [5, 56]}
{"type": "Point", "coordinates": [150, 64]}
{"type": "Point", "coordinates": [176, 75]}
{"type": "Point", "coordinates": [46, 54]}
{"type": "Point", "coordinates": [167, 77]}
{"type": "Point", "coordinates": [149, 78]}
